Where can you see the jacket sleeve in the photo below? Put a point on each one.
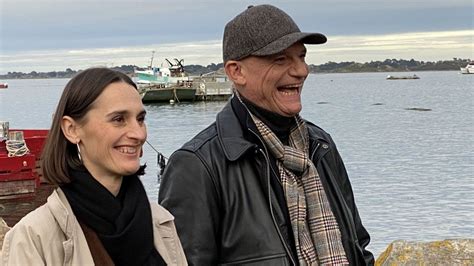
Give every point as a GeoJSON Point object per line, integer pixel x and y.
{"type": "Point", "coordinates": [362, 234]}
{"type": "Point", "coordinates": [187, 190]}
{"type": "Point", "coordinates": [21, 246]}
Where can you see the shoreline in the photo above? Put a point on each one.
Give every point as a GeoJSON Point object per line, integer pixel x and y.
{"type": "Point", "coordinates": [314, 73]}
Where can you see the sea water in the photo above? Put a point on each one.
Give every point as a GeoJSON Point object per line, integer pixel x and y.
{"type": "Point", "coordinates": [408, 145]}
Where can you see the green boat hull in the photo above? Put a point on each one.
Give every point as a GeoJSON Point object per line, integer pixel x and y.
{"type": "Point", "coordinates": [177, 94]}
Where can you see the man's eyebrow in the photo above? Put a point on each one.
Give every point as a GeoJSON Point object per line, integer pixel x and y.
{"type": "Point", "coordinates": [279, 53]}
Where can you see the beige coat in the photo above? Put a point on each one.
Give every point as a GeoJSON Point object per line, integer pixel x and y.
{"type": "Point", "coordinates": [51, 235]}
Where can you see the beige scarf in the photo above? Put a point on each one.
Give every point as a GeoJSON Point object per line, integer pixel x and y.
{"type": "Point", "coordinates": [317, 235]}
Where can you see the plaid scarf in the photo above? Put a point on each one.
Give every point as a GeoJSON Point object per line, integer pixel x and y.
{"type": "Point", "coordinates": [317, 235]}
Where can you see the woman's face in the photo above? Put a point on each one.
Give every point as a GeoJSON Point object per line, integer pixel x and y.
{"type": "Point", "coordinates": [113, 132]}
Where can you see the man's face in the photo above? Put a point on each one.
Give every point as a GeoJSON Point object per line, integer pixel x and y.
{"type": "Point", "coordinates": [275, 82]}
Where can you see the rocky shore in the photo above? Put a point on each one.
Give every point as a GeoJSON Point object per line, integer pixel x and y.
{"type": "Point", "coordinates": [445, 252]}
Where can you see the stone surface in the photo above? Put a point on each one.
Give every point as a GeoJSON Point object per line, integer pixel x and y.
{"type": "Point", "coordinates": [445, 252]}
{"type": "Point", "coordinates": [3, 230]}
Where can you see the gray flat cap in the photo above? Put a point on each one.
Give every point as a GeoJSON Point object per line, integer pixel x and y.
{"type": "Point", "coordinates": [263, 30]}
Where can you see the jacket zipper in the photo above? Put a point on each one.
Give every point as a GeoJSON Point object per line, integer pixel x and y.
{"type": "Point", "coordinates": [314, 152]}
{"type": "Point", "coordinates": [265, 155]}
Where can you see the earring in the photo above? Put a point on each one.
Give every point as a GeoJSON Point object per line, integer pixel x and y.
{"type": "Point", "coordinates": [78, 152]}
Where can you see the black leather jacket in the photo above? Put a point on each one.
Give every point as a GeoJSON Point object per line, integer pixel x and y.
{"type": "Point", "coordinates": [218, 188]}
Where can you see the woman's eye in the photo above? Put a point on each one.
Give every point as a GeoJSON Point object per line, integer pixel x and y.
{"type": "Point", "coordinates": [141, 119]}
{"type": "Point", "coordinates": [118, 119]}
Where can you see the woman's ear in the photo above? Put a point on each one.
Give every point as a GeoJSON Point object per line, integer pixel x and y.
{"type": "Point", "coordinates": [233, 69]}
{"type": "Point", "coordinates": [69, 127]}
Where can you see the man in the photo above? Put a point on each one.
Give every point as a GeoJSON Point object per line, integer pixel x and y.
{"type": "Point", "coordinates": [262, 186]}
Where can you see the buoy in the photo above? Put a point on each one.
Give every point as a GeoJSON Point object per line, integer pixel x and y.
{"type": "Point", "coordinates": [171, 101]}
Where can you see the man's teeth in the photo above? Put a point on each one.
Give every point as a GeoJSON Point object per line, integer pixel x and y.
{"type": "Point", "coordinates": [290, 89]}
{"type": "Point", "coordinates": [291, 86]}
{"type": "Point", "coordinates": [128, 150]}
{"type": "Point", "coordinates": [293, 92]}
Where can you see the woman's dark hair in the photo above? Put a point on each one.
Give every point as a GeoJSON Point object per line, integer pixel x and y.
{"type": "Point", "coordinates": [76, 100]}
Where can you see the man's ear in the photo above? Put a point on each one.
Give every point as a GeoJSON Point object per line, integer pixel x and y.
{"type": "Point", "coordinates": [70, 129]}
{"type": "Point", "coordinates": [233, 69]}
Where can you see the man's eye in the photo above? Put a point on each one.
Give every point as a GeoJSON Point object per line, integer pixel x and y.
{"type": "Point", "coordinates": [141, 118]}
{"type": "Point", "coordinates": [280, 59]}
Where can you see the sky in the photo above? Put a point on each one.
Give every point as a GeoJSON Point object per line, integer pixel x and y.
{"type": "Point", "coordinates": [52, 35]}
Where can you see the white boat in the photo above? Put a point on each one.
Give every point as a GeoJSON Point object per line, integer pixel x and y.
{"type": "Point", "coordinates": [167, 76]}
{"type": "Point", "coordinates": [164, 84]}
{"type": "Point", "coordinates": [173, 84]}
{"type": "Point", "coordinates": [469, 69]}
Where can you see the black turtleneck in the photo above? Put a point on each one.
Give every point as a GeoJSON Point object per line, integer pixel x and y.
{"type": "Point", "coordinates": [280, 125]}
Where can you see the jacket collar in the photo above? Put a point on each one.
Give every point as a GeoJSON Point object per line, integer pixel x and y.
{"type": "Point", "coordinates": [230, 133]}
{"type": "Point", "coordinates": [232, 136]}
{"type": "Point", "coordinates": [159, 214]}
{"type": "Point", "coordinates": [62, 212]}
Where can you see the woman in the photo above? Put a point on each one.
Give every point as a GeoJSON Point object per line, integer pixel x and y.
{"type": "Point", "coordinates": [99, 214]}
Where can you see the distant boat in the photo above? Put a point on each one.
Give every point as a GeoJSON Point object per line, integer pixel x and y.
{"type": "Point", "coordinates": [168, 76]}
{"type": "Point", "coordinates": [469, 69]}
{"type": "Point", "coordinates": [173, 84]}
{"type": "Point", "coordinates": [3, 85]}
{"type": "Point", "coordinates": [414, 76]}
{"type": "Point", "coordinates": [164, 84]}
{"type": "Point", "coordinates": [182, 91]}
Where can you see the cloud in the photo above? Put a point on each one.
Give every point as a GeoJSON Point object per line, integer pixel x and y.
{"type": "Point", "coordinates": [78, 24]}
{"type": "Point", "coordinates": [426, 46]}
{"type": "Point", "coordinates": [204, 52]}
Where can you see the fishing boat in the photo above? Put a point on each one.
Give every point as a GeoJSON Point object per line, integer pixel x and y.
{"type": "Point", "coordinates": [173, 84]}
{"type": "Point", "coordinates": [3, 85]}
{"type": "Point", "coordinates": [20, 155]}
{"type": "Point", "coordinates": [469, 69]}
{"type": "Point", "coordinates": [165, 84]}
{"type": "Point", "coordinates": [167, 76]}
{"type": "Point", "coordinates": [414, 76]}
{"type": "Point", "coordinates": [182, 91]}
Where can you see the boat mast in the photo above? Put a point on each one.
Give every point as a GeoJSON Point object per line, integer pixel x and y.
{"type": "Point", "coordinates": [151, 61]}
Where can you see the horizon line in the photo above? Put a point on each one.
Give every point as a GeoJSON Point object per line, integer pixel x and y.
{"type": "Point", "coordinates": [340, 62]}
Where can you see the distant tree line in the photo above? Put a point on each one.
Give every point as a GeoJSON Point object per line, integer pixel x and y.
{"type": "Point", "coordinates": [389, 65]}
